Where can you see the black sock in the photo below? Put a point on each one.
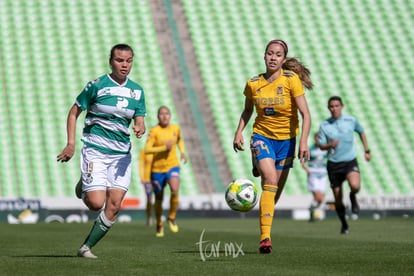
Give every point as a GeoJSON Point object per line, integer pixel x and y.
{"type": "Point", "coordinates": [341, 214]}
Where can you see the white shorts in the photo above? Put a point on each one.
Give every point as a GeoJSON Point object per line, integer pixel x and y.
{"type": "Point", "coordinates": [102, 171]}
{"type": "Point", "coordinates": [317, 182]}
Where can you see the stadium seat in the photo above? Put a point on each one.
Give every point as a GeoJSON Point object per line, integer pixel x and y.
{"type": "Point", "coordinates": [343, 45]}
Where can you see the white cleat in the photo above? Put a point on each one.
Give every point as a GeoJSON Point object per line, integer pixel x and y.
{"type": "Point", "coordinates": [85, 252]}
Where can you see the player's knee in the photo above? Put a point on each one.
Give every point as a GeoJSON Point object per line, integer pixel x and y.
{"type": "Point", "coordinates": [94, 206]}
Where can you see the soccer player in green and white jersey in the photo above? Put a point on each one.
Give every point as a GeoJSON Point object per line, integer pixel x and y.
{"type": "Point", "coordinates": [317, 175]}
{"type": "Point", "coordinates": [111, 101]}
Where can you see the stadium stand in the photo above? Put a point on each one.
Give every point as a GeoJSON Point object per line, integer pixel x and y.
{"type": "Point", "coordinates": [360, 50]}
{"type": "Point", "coordinates": [48, 52]}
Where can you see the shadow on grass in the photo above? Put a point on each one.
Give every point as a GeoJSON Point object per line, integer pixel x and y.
{"type": "Point", "coordinates": [44, 256]}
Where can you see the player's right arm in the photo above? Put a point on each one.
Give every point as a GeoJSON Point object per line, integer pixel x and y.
{"type": "Point", "coordinates": [69, 149]}
{"type": "Point", "coordinates": [150, 143]}
{"type": "Point", "coordinates": [244, 119]}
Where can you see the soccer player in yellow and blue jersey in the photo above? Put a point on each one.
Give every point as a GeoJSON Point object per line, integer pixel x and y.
{"type": "Point", "coordinates": [162, 142]}
{"type": "Point", "coordinates": [145, 166]}
{"type": "Point", "coordinates": [277, 96]}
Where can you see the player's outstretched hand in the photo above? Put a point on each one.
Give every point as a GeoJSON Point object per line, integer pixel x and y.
{"type": "Point", "coordinates": [66, 154]}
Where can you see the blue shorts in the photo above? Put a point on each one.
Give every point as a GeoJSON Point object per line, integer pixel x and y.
{"type": "Point", "coordinates": [159, 180]}
{"type": "Point", "coordinates": [282, 151]}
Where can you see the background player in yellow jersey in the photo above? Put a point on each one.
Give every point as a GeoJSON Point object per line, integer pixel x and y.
{"type": "Point", "coordinates": [145, 165]}
{"type": "Point", "coordinates": [277, 95]}
{"type": "Point", "coordinates": [162, 142]}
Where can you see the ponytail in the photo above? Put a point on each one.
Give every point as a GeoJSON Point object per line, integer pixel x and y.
{"type": "Point", "coordinates": [303, 72]}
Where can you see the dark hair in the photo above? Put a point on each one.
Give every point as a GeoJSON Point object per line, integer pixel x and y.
{"type": "Point", "coordinates": [279, 42]}
{"type": "Point", "coordinates": [335, 98]}
{"type": "Point", "coordinates": [122, 47]}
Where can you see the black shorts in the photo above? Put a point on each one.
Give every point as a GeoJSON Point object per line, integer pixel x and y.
{"type": "Point", "coordinates": [337, 172]}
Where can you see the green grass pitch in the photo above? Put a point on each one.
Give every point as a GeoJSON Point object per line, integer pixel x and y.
{"type": "Point", "coordinates": [213, 247]}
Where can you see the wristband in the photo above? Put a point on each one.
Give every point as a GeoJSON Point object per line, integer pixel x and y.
{"type": "Point", "coordinates": [367, 151]}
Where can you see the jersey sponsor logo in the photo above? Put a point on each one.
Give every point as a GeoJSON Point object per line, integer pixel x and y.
{"type": "Point", "coordinates": [269, 111]}
{"type": "Point", "coordinates": [122, 103]}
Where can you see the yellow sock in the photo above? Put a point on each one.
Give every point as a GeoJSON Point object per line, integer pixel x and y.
{"type": "Point", "coordinates": [267, 210]}
{"type": "Point", "coordinates": [173, 206]}
{"type": "Point", "coordinates": [158, 211]}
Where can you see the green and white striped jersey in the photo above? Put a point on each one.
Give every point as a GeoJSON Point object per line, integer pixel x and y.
{"type": "Point", "coordinates": [318, 159]}
{"type": "Point", "coordinates": [110, 109]}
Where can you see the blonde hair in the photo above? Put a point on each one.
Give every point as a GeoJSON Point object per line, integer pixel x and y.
{"type": "Point", "coordinates": [303, 72]}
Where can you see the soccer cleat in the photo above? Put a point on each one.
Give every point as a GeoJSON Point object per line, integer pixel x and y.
{"type": "Point", "coordinates": [311, 214]}
{"type": "Point", "coordinates": [173, 226]}
{"type": "Point", "coordinates": [344, 229]}
{"type": "Point", "coordinates": [78, 189]}
{"type": "Point", "coordinates": [354, 203]}
{"type": "Point", "coordinates": [85, 252]}
{"type": "Point", "coordinates": [160, 232]}
{"type": "Point", "coordinates": [265, 246]}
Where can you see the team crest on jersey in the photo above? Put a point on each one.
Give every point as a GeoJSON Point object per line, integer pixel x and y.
{"type": "Point", "coordinates": [132, 93]}
{"type": "Point", "coordinates": [279, 90]}
{"type": "Point", "coordinates": [88, 178]}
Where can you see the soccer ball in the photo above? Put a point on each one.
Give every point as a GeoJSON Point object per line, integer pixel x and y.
{"type": "Point", "coordinates": [242, 195]}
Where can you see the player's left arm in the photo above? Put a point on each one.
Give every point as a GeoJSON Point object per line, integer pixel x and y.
{"type": "Point", "coordinates": [139, 126]}
{"type": "Point", "coordinates": [180, 144]}
{"type": "Point", "coordinates": [302, 104]}
{"type": "Point", "coordinates": [364, 141]}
